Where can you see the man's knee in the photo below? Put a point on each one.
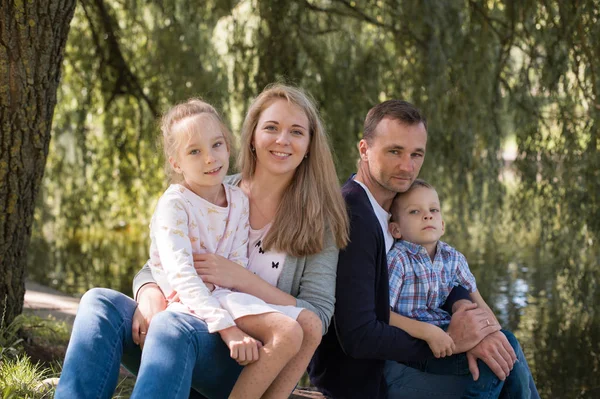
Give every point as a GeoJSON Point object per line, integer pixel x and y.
{"type": "Point", "coordinates": [512, 340]}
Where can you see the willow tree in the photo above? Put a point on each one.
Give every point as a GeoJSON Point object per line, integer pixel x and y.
{"type": "Point", "coordinates": [32, 42]}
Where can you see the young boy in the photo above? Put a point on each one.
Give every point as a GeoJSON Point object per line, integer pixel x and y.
{"type": "Point", "coordinates": [422, 272]}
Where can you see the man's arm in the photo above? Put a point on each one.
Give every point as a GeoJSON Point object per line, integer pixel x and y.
{"type": "Point", "coordinates": [475, 330]}
{"type": "Point", "coordinates": [361, 333]}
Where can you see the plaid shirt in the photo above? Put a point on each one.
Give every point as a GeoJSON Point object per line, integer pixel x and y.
{"type": "Point", "coordinates": [419, 287]}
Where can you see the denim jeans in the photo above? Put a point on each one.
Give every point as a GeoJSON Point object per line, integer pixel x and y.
{"type": "Point", "coordinates": [178, 353]}
{"type": "Point", "coordinates": [449, 377]}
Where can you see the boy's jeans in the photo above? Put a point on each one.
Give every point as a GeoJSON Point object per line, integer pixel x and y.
{"type": "Point", "coordinates": [488, 385]}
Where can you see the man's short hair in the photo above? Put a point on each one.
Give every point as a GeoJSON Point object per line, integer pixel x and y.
{"type": "Point", "coordinates": [399, 110]}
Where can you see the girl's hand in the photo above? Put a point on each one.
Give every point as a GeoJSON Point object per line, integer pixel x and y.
{"type": "Point", "coordinates": [150, 301]}
{"type": "Point", "coordinates": [219, 271]}
{"type": "Point", "coordinates": [243, 348]}
{"type": "Point", "coordinates": [440, 342]}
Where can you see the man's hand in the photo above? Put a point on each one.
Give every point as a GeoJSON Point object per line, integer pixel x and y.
{"type": "Point", "coordinates": [495, 351]}
{"type": "Point", "coordinates": [242, 347]}
{"type": "Point", "coordinates": [469, 325]}
{"type": "Point", "coordinates": [150, 301]}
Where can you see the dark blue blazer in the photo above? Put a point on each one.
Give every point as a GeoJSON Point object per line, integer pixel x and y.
{"type": "Point", "coordinates": [349, 362]}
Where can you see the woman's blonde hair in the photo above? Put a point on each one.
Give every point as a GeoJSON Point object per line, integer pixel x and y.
{"type": "Point", "coordinates": [173, 132]}
{"type": "Point", "coordinates": [313, 200]}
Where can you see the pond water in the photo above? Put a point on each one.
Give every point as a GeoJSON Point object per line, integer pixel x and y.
{"type": "Point", "coordinates": [549, 302]}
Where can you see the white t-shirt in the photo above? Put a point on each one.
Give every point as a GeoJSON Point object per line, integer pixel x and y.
{"type": "Point", "coordinates": [382, 215]}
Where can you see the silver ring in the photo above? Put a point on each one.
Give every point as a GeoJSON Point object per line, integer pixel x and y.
{"type": "Point", "coordinates": [144, 332]}
{"type": "Point", "coordinates": [487, 321]}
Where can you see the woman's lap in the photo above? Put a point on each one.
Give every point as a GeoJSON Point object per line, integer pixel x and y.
{"type": "Point", "coordinates": [179, 349]}
{"type": "Point", "coordinates": [101, 339]}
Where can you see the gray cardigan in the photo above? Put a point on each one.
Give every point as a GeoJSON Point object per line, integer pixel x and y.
{"type": "Point", "coordinates": [310, 279]}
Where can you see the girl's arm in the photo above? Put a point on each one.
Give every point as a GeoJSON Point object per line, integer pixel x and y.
{"type": "Point", "coordinates": [239, 212]}
{"type": "Point", "coordinates": [171, 259]}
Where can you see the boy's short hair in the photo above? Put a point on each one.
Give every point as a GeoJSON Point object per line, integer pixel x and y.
{"type": "Point", "coordinates": [416, 184]}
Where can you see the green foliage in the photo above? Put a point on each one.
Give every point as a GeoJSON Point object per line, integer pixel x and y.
{"type": "Point", "coordinates": [485, 73]}
{"type": "Point", "coordinates": [19, 378]}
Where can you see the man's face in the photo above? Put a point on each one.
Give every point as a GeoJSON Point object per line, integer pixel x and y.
{"type": "Point", "coordinates": [395, 154]}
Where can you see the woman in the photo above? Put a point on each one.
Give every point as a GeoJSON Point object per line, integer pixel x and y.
{"type": "Point", "coordinates": [298, 221]}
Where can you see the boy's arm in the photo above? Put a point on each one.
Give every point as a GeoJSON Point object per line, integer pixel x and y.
{"type": "Point", "coordinates": [416, 328]}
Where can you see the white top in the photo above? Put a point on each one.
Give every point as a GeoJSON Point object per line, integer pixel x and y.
{"type": "Point", "coordinates": [267, 264]}
{"type": "Point", "coordinates": [382, 215]}
{"type": "Point", "coordinates": [185, 223]}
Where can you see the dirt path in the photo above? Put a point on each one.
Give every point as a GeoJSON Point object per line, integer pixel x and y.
{"type": "Point", "coordinates": [43, 301]}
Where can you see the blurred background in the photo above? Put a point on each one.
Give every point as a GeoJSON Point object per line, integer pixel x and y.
{"type": "Point", "coordinates": [511, 91]}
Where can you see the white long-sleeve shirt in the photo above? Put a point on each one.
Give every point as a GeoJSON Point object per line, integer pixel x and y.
{"type": "Point", "coordinates": [185, 223]}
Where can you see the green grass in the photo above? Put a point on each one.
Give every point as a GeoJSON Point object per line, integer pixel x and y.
{"type": "Point", "coordinates": [19, 378]}
{"type": "Point", "coordinates": [32, 350]}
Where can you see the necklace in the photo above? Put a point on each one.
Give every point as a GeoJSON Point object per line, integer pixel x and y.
{"type": "Point", "coordinates": [255, 205]}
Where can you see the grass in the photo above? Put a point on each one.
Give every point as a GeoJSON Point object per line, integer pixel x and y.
{"type": "Point", "coordinates": [32, 351]}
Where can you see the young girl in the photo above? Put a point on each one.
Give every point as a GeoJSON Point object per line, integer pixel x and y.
{"type": "Point", "coordinates": [199, 214]}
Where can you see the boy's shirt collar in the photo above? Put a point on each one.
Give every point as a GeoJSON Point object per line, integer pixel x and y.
{"type": "Point", "coordinates": [415, 249]}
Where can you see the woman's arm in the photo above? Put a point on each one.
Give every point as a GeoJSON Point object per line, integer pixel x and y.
{"type": "Point", "coordinates": [316, 290]}
{"type": "Point", "coordinates": [221, 271]}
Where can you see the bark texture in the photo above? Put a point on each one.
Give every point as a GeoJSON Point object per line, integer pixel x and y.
{"type": "Point", "coordinates": [33, 34]}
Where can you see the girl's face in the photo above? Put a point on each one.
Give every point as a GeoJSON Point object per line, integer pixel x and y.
{"type": "Point", "coordinates": [202, 156]}
{"type": "Point", "coordinates": [281, 138]}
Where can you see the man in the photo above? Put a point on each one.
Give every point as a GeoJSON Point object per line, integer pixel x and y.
{"type": "Point", "coordinates": [359, 356]}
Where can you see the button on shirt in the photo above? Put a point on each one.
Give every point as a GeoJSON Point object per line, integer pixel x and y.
{"type": "Point", "coordinates": [419, 287]}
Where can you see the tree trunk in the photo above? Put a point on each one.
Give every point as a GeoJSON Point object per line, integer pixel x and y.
{"type": "Point", "coordinates": [33, 34]}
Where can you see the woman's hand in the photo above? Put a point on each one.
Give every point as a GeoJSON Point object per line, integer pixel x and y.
{"type": "Point", "coordinates": [150, 301]}
{"type": "Point", "coordinates": [217, 270]}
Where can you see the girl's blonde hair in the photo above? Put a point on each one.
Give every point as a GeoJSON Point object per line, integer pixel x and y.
{"type": "Point", "coordinates": [313, 201]}
{"type": "Point", "coordinates": [173, 132]}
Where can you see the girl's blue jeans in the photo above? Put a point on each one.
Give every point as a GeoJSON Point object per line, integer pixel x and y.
{"type": "Point", "coordinates": [179, 353]}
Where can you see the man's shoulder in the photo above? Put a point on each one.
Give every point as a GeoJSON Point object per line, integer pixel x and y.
{"type": "Point", "coordinates": [359, 207]}
{"type": "Point", "coordinates": [351, 190]}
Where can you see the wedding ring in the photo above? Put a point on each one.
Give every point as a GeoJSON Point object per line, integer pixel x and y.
{"type": "Point", "coordinates": [144, 332]}
{"type": "Point", "coordinates": [487, 321]}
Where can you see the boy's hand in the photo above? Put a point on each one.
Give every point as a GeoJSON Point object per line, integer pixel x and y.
{"type": "Point", "coordinates": [243, 348]}
{"type": "Point", "coordinates": [440, 342]}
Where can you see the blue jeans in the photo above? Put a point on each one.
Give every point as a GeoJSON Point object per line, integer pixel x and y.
{"type": "Point", "coordinates": [179, 353]}
{"type": "Point", "coordinates": [450, 378]}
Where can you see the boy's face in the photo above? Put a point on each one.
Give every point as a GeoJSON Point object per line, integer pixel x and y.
{"type": "Point", "coordinates": [417, 217]}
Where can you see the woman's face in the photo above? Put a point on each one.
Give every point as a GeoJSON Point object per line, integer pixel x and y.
{"type": "Point", "coordinates": [281, 138]}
